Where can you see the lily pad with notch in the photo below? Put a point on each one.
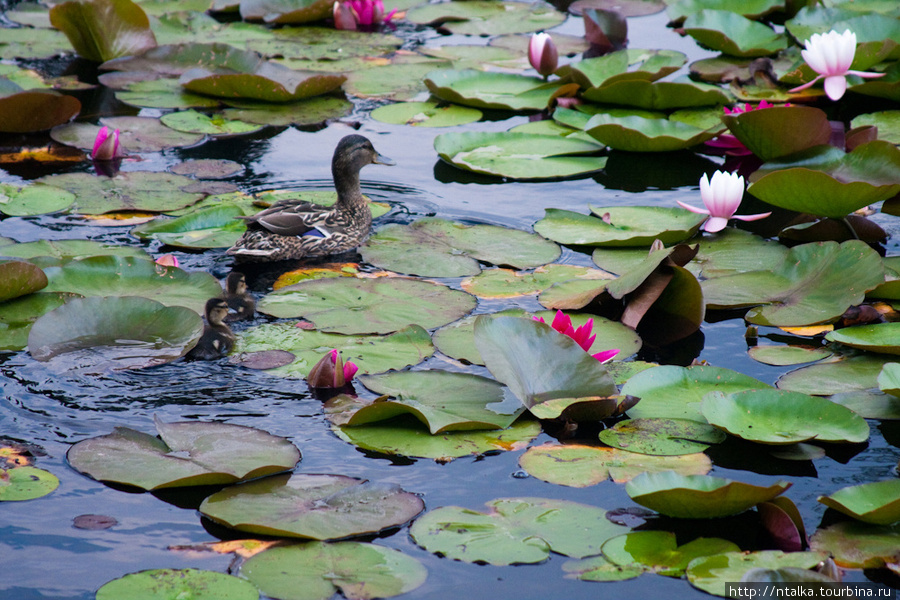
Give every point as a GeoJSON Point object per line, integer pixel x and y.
{"type": "Point", "coordinates": [659, 552]}
{"type": "Point", "coordinates": [17, 316]}
{"type": "Point", "coordinates": [33, 199]}
{"type": "Point", "coordinates": [136, 191]}
{"type": "Point", "coordinates": [657, 95]}
{"type": "Point", "coordinates": [504, 283]}
{"type": "Point", "coordinates": [630, 64]}
{"type": "Point", "coordinates": [191, 121]}
{"type": "Point", "coordinates": [67, 249]}
{"type": "Point", "coordinates": [426, 114]}
{"type": "Point", "coordinates": [662, 437]}
{"type": "Point", "coordinates": [212, 227]}
{"type": "Point", "coordinates": [499, 91]}
{"type": "Point", "coordinates": [26, 483]}
{"type": "Point", "coordinates": [779, 130]}
{"type": "Point", "coordinates": [266, 81]}
{"type": "Point", "coordinates": [733, 34]}
{"type": "Point", "coordinates": [620, 226]}
{"type": "Point", "coordinates": [309, 111]}
{"type": "Point", "coordinates": [837, 375]}
{"type": "Point", "coordinates": [876, 502]}
{"type": "Point", "coordinates": [136, 134]}
{"type": "Point", "coordinates": [639, 134]}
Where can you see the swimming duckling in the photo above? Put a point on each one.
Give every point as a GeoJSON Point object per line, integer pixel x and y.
{"type": "Point", "coordinates": [217, 338]}
{"type": "Point", "coordinates": [293, 229]}
{"type": "Point", "coordinates": [238, 298]}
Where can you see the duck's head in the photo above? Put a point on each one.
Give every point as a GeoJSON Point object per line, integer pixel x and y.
{"type": "Point", "coordinates": [236, 283]}
{"type": "Point", "coordinates": [216, 310]}
{"type": "Point", "coordinates": [354, 152]}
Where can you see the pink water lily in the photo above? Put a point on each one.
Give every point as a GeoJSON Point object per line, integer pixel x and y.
{"type": "Point", "coordinates": [167, 260]}
{"type": "Point", "coordinates": [542, 54]}
{"type": "Point", "coordinates": [106, 145]}
{"type": "Point", "coordinates": [348, 14]}
{"type": "Point", "coordinates": [729, 143]}
{"type": "Point", "coordinates": [721, 196]}
{"type": "Point", "coordinates": [582, 335]}
{"type": "Point", "coordinates": [830, 55]}
{"type": "Point", "coordinates": [331, 372]}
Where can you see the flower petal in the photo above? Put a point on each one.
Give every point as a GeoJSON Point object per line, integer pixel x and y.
{"type": "Point", "coordinates": [693, 209]}
{"type": "Point", "coordinates": [835, 86]}
{"type": "Point", "coordinates": [714, 224]}
{"type": "Point", "coordinates": [756, 217]}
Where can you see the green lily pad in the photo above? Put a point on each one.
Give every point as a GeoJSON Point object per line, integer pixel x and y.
{"type": "Point", "coordinates": [887, 122]}
{"type": "Point", "coordinates": [164, 92]}
{"type": "Point", "coordinates": [426, 114]}
{"type": "Point", "coordinates": [26, 483]}
{"type": "Point", "coordinates": [17, 316]}
{"type": "Point", "coordinates": [35, 199]}
{"type": "Point", "coordinates": [657, 95]}
{"type": "Point", "coordinates": [185, 454]}
{"type": "Point", "coordinates": [752, 9]}
{"type": "Point", "coordinates": [851, 374]}
{"type": "Point", "coordinates": [787, 355]}
{"type": "Point", "coordinates": [457, 340]}
{"type": "Point", "coordinates": [212, 227]}
{"type": "Point", "coordinates": [809, 287]}
{"type": "Point", "coordinates": [444, 401]}
{"type": "Point", "coordinates": [514, 531]}
{"type": "Point", "coordinates": [137, 190]}
{"type": "Point", "coordinates": [35, 110]}
{"type": "Point", "coordinates": [129, 276]}
{"type": "Point", "coordinates": [872, 404]}
{"type": "Point", "coordinates": [733, 34]}
{"type": "Point", "coordinates": [265, 81]}
{"type": "Point", "coordinates": [538, 363]}
{"type": "Point", "coordinates": [371, 353]}
{"type": "Point", "coordinates": [712, 574]}
{"type": "Point", "coordinates": [846, 182]}
{"type": "Point", "coordinates": [320, 43]}
{"type": "Point", "coordinates": [661, 437]}
{"type": "Point", "coordinates": [380, 305]}
{"type": "Point", "coordinates": [18, 278]}
{"type": "Point", "coordinates": [354, 569]}
{"type": "Point", "coordinates": [400, 80]}
{"type": "Point", "coordinates": [780, 130]}
{"type": "Point", "coordinates": [112, 333]}
{"type": "Point", "coordinates": [623, 65]}
{"type": "Point", "coordinates": [519, 155]}
{"type": "Point", "coordinates": [626, 226]}
{"type": "Point", "coordinates": [478, 17]}
{"type": "Point", "coordinates": [309, 111]}
{"type": "Point", "coordinates": [208, 168]}
{"type": "Point", "coordinates": [318, 507]}
{"type": "Point", "coordinates": [638, 134]}
{"type": "Point", "coordinates": [285, 12]}
{"type": "Point", "coordinates": [103, 29]}
{"type": "Point", "coordinates": [670, 392]}
{"type": "Point", "coordinates": [66, 250]}
{"type": "Point", "coordinates": [599, 568]}
{"type": "Point", "coordinates": [407, 437]}
{"type": "Point", "coordinates": [877, 502]}
{"type": "Point", "coordinates": [434, 247]}
{"type": "Point", "coordinates": [162, 584]}
{"type": "Point", "coordinates": [580, 466]}
{"type": "Point", "coordinates": [192, 121]}
{"type": "Point", "coordinates": [856, 545]}
{"type": "Point", "coordinates": [659, 552]}
{"type": "Point", "coordinates": [782, 417]}
{"type": "Point", "coordinates": [136, 134]}
{"type": "Point", "coordinates": [698, 496]}
{"type": "Point", "coordinates": [889, 379]}
{"type": "Point", "coordinates": [35, 43]}
{"type": "Point", "coordinates": [504, 283]}
{"type": "Point", "coordinates": [500, 91]}
{"type": "Point", "coordinates": [880, 337]}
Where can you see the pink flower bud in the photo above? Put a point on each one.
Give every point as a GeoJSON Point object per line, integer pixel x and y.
{"type": "Point", "coordinates": [542, 54]}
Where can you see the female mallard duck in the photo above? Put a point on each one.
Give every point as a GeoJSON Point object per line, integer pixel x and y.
{"type": "Point", "coordinates": [217, 338]}
{"type": "Point", "coordinates": [238, 298]}
{"type": "Point", "coordinates": [289, 230]}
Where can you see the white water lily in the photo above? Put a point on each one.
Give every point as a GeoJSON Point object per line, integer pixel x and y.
{"type": "Point", "coordinates": [721, 196]}
{"type": "Point", "coordinates": [830, 55]}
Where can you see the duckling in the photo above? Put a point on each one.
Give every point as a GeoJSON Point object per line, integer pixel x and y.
{"type": "Point", "coordinates": [238, 298]}
{"type": "Point", "coordinates": [289, 230]}
{"type": "Point", "coordinates": [217, 338]}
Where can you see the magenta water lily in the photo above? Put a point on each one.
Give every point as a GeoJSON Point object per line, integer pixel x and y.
{"type": "Point", "coordinates": [349, 14]}
{"type": "Point", "coordinates": [721, 196]}
{"type": "Point", "coordinates": [542, 54]}
{"type": "Point", "coordinates": [331, 372]}
{"type": "Point", "coordinates": [830, 55]}
{"type": "Point", "coordinates": [563, 324]}
{"type": "Point", "coordinates": [106, 145]}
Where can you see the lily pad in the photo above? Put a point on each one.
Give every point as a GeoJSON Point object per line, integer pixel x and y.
{"type": "Point", "coordinates": [579, 466]}
{"type": "Point", "coordinates": [266, 81]}
{"type": "Point", "coordinates": [698, 496]}
{"type": "Point", "coordinates": [712, 574]}
{"type": "Point", "coordinates": [659, 552]}
{"type": "Point", "coordinates": [354, 569]}
{"type": "Point", "coordinates": [17, 316]}
{"type": "Point", "coordinates": [599, 568]}
{"type": "Point", "coordinates": [856, 545]}
{"type": "Point", "coordinates": [444, 401]}
{"type": "Point", "coordinates": [66, 250]}
{"type": "Point", "coordinates": [36, 199]}
{"type": "Point", "coordinates": [433, 247]}
{"type": "Point", "coordinates": [18, 278]}
{"type": "Point", "coordinates": [192, 121]}
{"type": "Point", "coordinates": [319, 507]}
{"type": "Point", "coordinates": [779, 130]}
{"type": "Point", "coordinates": [877, 502]}
{"type": "Point", "coordinates": [519, 155]}
{"type": "Point", "coordinates": [407, 437]}
{"type": "Point", "coordinates": [35, 110]}
{"type": "Point", "coordinates": [782, 417]}
{"type": "Point", "coordinates": [514, 531]}
{"type": "Point", "coordinates": [638, 134]}
{"type": "Point", "coordinates": [671, 392]}
{"type": "Point", "coordinates": [500, 91]}
{"type": "Point", "coordinates": [426, 114]}
{"type": "Point", "coordinates": [478, 17]}
{"type": "Point", "coordinates": [657, 95]}
{"type": "Point", "coordinates": [809, 287]}
{"type": "Point", "coordinates": [849, 374]}
{"type": "Point", "coordinates": [380, 305]}
{"type": "Point", "coordinates": [163, 92]}
{"type": "Point", "coordinates": [399, 80]}
{"type": "Point", "coordinates": [213, 227]}
{"type": "Point", "coordinates": [161, 584]}
{"type": "Point", "coordinates": [752, 9]}
{"type": "Point", "coordinates": [285, 12]}
{"type": "Point", "coordinates": [112, 333]}
{"type": "Point", "coordinates": [887, 122]}
{"type": "Point", "coordinates": [100, 30]}
{"type": "Point", "coordinates": [136, 134]}
{"type": "Point", "coordinates": [625, 226]}
{"type": "Point", "coordinates": [137, 190]}
{"type": "Point", "coordinates": [623, 65]}
{"type": "Point", "coordinates": [503, 283]}
{"type": "Point", "coordinates": [26, 483]}
{"type": "Point", "coordinates": [185, 454]}
{"type": "Point", "coordinates": [872, 404]}
{"type": "Point", "coordinates": [662, 437]}
{"type": "Point", "coordinates": [129, 276]}
{"type": "Point", "coordinates": [371, 353]}
{"type": "Point", "coordinates": [787, 355]}
{"type": "Point", "coordinates": [880, 337]}
{"type": "Point", "coordinates": [309, 111]}
{"type": "Point", "coordinates": [734, 34]}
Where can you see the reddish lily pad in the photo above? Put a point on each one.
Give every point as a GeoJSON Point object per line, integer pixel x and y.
{"type": "Point", "coordinates": [780, 130]}
{"type": "Point", "coordinates": [856, 545]}
{"type": "Point", "coordinates": [35, 110]}
{"type": "Point", "coordinates": [26, 483]}
{"type": "Point", "coordinates": [877, 502]}
{"type": "Point", "coordinates": [100, 30]}
{"type": "Point", "coordinates": [18, 278]}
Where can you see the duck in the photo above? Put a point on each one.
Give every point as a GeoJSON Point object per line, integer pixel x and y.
{"type": "Point", "coordinates": [238, 298]}
{"type": "Point", "coordinates": [217, 339]}
{"type": "Point", "coordinates": [291, 229]}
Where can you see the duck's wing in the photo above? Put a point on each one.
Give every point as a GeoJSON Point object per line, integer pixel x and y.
{"type": "Point", "coordinates": [297, 218]}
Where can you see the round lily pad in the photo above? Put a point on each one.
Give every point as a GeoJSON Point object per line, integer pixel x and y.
{"type": "Point", "coordinates": [877, 502]}
{"type": "Point", "coordinates": [662, 437]}
{"type": "Point", "coordinates": [66, 250]}
{"type": "Point", "coordinates": [426, 114]}
{"type": "Point", "coordinates": [379, 305]}
{"type": "Point", "coordinates": [371, 353]}
{"type": "Point", "coordinates": [35, 110]}
{"type": "Point", "coordinates": [136, 134]}
{"type": "Point", "coordinates": [499, 91]}
{"type": "Point", "coordinates": [211, 227]}
{"type": "Point", "coordinates": [163, 584]}
{"type": "Point", "coordinates": [514, 530]}
{"type": "Point", "coordinates": [265, 81]}
{"type": "Point", "coordinates": [779, 130]}
{"type": "Point", "coordinates": [620, 226]}
{"type": "Point", "coordinates": [887, 121]}
{"type": "Point", "coordinates": [319, 507]}
{"type": "Point", "coordinates": [309, 111]}
{"type": "Point", "coordinates": [600, 568]}
{"type": "Point", "coordinates": [479, 17]}
{"type": "Point", "coordinates": [35, 199]}
{"type": "Point", "coordinates": [504, 283]}
{"type": "Point", "coordinates": [575, 465]}
{"type": "Point", "coordinates": [437, 248]}
{"type": "Point", "coordinates": [17, 316]}
{"type": "Point", "coordinates": [698, 496]}
{"type": "Point", "coordinates": [638, 134]}
{"type": "Point", "coordinates": [787, 355]}
{"type": "Point", "coordinates": [191, 121]}
{"type": "Point", "coordinates": [208, 168]}
{"type": "Point", "coordinates": [734, 34]}
{"type": "Point", "coordinates": [354, 569]}
{"type": "Point", "coordinates": [659, 552]}
{"type": "Point", "coordinates": [849, 374]}
{"type": "Point", "coordinates": [712, 574]}
{"type": "Point", "coordinates": [185, 454]}
{"type": "Point", "coordinates": [26, 483]}
{"type": "Point", "coordinates": [519, 155]}
{"type": "Point", "coordinates": [857, 545]}
{"type": "Point", "coordinates": [19, 278]}
{"type": "Point", "coordinates": [102, 333]}
{"type": "Point", "coordinates": [880, 337]}
{"type": "Point", "coordinates": [134, 190]}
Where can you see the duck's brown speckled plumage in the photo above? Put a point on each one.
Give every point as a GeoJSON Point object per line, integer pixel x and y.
{"type": "Point", "coordinates": [282, 231]}
{"type": "Point", "coordinates": [217, 339]}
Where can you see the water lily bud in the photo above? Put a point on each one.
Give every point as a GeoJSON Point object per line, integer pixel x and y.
{"type": "Point", "coordinates": [331, 372]}
{"type": "Point", "coordinates": [344, 16]}
{"type": "Point", "coordinates": [106, 145]}
{"type": "Point", "coordinates": [542, 54]}
{"type": "Point", "coordinates": [167, 260]}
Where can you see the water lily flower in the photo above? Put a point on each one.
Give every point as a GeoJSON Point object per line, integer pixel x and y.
{"type": "Point", "coordinates": [167, 260]}
{"type": "Point", "coordinates": [582, 335]}
{"type": "Point", "coordinates": [348, 14]}
{"type": "Point", "coordinates": [830, 55]}
{"type": "Point", "coordinates": [721, 196]}
{"type": "Point", "coordinates": [331, 372]}
{"type": "Point", "coordinates": [542, 54]}
{"type": "Point", "coordinates": [729, 143]}
{"type": "Point", "coordinates": [106, 145]}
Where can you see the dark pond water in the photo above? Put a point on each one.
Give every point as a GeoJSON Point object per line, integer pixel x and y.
{"type": "Point", "coordinates": [45, 557]}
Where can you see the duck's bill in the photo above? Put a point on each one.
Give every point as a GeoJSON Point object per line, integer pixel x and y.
{"type": "Point", "coordinates": [381, 159]}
